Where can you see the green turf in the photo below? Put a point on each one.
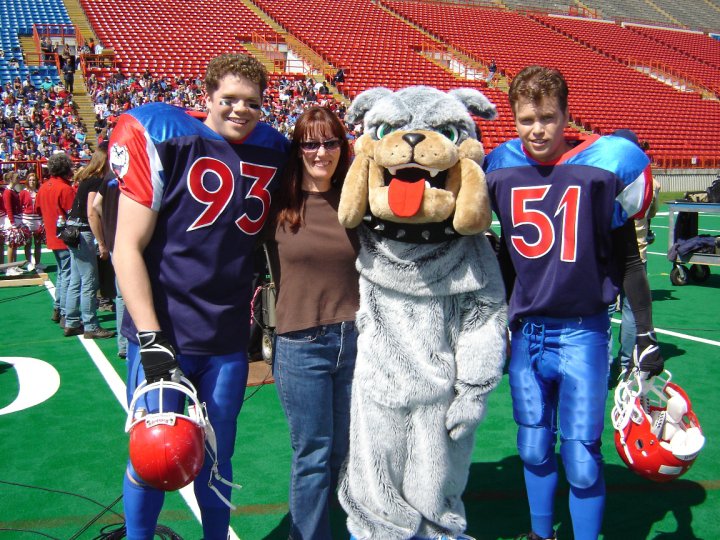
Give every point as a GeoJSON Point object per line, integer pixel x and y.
{"type": "Point", "coordinates": [74, 442]}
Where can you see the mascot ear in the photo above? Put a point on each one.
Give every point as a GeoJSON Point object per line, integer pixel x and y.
{"type": "Point", "coordinates": [363, 102]}
{"type": "Point", "coordinates": [475, 102]}
{"type": "Point", "coordinates": [354, 195]}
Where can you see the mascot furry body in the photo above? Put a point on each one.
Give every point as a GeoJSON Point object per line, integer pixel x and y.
{"type": "Point", "coordinates": [432, 314]}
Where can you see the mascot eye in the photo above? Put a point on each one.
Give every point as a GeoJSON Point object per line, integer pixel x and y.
{"type": "Point", "coordinates": [385, 129]}
{"type": "Point", "coordinates": [450, 132]}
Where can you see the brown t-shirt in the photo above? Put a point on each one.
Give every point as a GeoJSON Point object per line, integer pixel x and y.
{"type": "Point", "coordinates": [314, 268]}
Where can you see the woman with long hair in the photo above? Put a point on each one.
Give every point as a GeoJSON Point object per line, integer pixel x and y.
{"type": "Point", "coordinates": [33, 221]}
{"type": "Point", "coordinates": [313, 259]}
{"type": "Point", "coordinates": [81, 301]}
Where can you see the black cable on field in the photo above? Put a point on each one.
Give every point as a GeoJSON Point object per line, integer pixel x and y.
{"type": "Point", "coordinates": [259, 386]}
{"type": "Point", "coordinates": [97, 516]}
{"type": "Point", "coordinates": [21, 296]}
{"type": "Point", "coordinates": [117, 531]}
{"type": "Point", "coordinates": [61, 492]}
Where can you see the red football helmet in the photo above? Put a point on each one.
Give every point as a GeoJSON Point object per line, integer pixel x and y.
{"type": "Point", "coordinates": [167, 449]}
{"type": "Point", "coordinates": [657, 433]}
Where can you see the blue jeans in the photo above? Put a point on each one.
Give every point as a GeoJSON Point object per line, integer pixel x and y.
{"type": "Point", "coordinates": [122, 341]}
{"type": "Point", "coordinates": [62, 260]}
{"type": "Point", "coordinates": [81, 298]}
{"type": "Point", "coordinates": [313, 372]}
{"type": "Point", "coordinates": [628, 330]}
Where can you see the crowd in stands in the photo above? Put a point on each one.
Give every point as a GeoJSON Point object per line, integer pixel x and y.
{"type": "Point", "coordinates": [35, 122]}
{"type": "Point", "coordinates": [285, 99]}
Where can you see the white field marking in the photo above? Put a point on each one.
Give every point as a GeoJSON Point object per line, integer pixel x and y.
{"type": "Point", "coordinates": [653, 225]}
{"type": "Point", "coordinates": [118, 388]}
{"type": "Point", "coordinates": [37, 380]}
{"type": "Point", "coordinates": [700, 229]}
{"type": "Point", "coordinates": [679, 335]}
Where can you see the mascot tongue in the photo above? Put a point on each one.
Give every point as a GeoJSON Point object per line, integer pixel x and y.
{"type": "Point", "coordinates": [405, 197]}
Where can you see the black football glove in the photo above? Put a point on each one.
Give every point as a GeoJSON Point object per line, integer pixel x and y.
{"type": "Point", "coordinates": [647, 357]}
{"type": "Point", "coordinates": [158, 357]}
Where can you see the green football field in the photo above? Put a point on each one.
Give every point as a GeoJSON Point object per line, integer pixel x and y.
{"type": "Point", "coordinates": [64, 449]}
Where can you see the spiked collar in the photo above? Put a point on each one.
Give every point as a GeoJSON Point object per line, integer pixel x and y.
{"type": "Point", "coordinates": [412, 233]}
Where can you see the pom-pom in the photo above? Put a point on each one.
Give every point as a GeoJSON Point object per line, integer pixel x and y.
{"type": "Point", "coordinates": [39, 234]}
{"type": "Point", "coordinates": [17, 236]}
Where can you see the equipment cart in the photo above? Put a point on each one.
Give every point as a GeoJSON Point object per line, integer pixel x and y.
{"type": "Point", "coordinates": [700, 263]}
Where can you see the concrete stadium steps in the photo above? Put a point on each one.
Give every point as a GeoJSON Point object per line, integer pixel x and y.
{"type": "Point", "coordinates": [77, 16]}
{"type": "Point", "coordinates": [301, 49]}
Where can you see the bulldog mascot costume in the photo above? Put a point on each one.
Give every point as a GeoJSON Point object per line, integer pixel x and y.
{"type": "Point", "coordinates": [432, 314]}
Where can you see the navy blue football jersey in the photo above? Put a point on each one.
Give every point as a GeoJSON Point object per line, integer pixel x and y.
{"type": "Point", "coordinates": [557, 221]}
{"type": "Point", "coordinates": [212, 198]}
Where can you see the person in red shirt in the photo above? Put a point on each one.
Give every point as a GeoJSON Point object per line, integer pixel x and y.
{"type": "Point", "coordinates": [55, 199]}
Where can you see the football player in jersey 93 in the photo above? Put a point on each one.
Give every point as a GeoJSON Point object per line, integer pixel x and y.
{"type": "Point", "coordinates": [194, 195]}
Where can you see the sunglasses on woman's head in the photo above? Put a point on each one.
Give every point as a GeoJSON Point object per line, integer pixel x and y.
{"type": "Point", "coordinates": [312, 146]}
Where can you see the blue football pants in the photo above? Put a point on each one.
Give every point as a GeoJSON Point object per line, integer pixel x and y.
{"type": "Point", "coordinates": [220, 383]}
{"type": "Point", "coordinates": [558, 381]}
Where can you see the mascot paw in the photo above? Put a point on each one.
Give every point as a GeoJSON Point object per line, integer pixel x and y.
{"type": "Point", "coordinates": [463, 416]}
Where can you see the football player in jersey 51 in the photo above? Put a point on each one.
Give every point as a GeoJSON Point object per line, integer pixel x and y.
{"type": "Point", "coordinates": [566, 210]}
{"type": "Point", "coordinates": [194, 195]}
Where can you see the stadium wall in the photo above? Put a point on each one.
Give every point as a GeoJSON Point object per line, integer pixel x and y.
{"type": "Point", "coordinates": [681, 180]}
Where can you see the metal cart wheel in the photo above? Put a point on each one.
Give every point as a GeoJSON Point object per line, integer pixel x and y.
{"type": "Point", "coordinates": [679, 275]}
{"type": "Point", "coordinates": [267, 345]}
{"type": "Point", "coordinates": [699, 272]}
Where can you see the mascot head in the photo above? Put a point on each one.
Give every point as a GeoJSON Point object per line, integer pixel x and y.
{"type": "Point", "coordinates": [417, 174]}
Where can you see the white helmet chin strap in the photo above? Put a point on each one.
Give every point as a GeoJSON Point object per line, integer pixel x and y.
{"type": "Point", "coordinates": [211, 449]}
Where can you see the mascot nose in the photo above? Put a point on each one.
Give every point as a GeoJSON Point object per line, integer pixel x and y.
{"type": "Point", "coordinates": [413, 139]}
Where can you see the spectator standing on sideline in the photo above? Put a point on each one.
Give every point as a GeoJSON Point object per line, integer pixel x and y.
{"type": "Point", "coordinates": [316, 341]}
{"type": "Point", "coordinates": [54, 200]}
{"type": "Point", "coordinates": [81, 301]}
{"type": "Point", "coordinates": [567, 247]}
{"type": "Point", "coordinates": [193, 188]}
{"type": "Point", "coordinates": [103, 222]}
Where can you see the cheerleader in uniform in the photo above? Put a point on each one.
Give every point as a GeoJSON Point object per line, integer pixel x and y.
{"type": "Point", "coordinates": [33, 221]}
{"type": "Point", "coordinates": [12, 229]}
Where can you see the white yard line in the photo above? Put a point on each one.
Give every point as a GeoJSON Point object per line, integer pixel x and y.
{"type": "Point", "coordinates": [680, 335]}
